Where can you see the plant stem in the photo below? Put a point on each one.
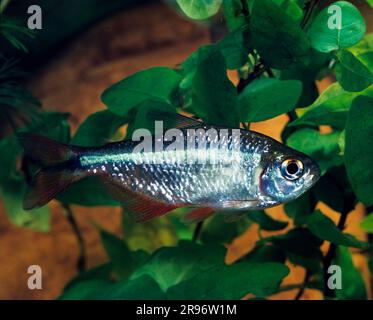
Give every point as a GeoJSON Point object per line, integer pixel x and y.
{"type": "Point", "coordinates": [245, 9]}
{"type": "Point", "coordinates": [303, 287]}
{"type": "Point", "coordinates": [197, 231]}
{"type": "Point", "coordinates": [3, 5]}
{"type": "Point", "coordinates": [81, 263]}
{"type": "Point", "coordinates": [311, 5]}
{"type": "Point", "coordinates": [348, 206]}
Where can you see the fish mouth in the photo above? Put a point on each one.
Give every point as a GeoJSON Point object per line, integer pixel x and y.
{"type": "Point", "coordinates": [312, 177]}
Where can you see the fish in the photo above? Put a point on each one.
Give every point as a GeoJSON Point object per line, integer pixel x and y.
{"type": "Point", "coordinates": [206, 167]}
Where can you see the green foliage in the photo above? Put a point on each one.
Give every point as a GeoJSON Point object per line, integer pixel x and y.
{"type": "Point", "coordinates": [213, 96]}
{"type": "Point", "coordinates": [357, 158]}
{"type": "Point", "coordinates": [217, 230]}
{"type": "Point", "coordinates": [327, 35]}
{"type": "Point", "coordinates": [265, 221]}
{"type": "Point", "coordinates": [331, 108]}
{"type": "Point", "coordinates": [260, 279]}
{"type": "Point", "coordinates": [199, 10]}
{"type": "Point", "coordinates": [124, 262]}
{"type": "Point", "coordinates": [150, 235]}
{"type": "Point", "coordinates": [234, 16]}
{"type": "Point", "coordinates": [351, 73]}
{"type": "Point", "coordinates": [277, 37]}
{"type": "Point", "coordinates": [322, 147]}
{"type": "Point", "coordinates": [324, 228]}
{"type": "Point", "coordinates": [14, 32]}
{"type": "Point", "coordinates": [235, 47]}
{"type": "Point", "coordinates": [279, 49]}
{"type": "Point", "coordinates": [256, 104]}
{"type": "Point", "coordinates": [353, 286]}
{"type": "Point", "coordinates": [98, 129]}
{"type": "Point", "coordinates": [367, 223]}
{"type": "Point", "coordinates": [125, 95]}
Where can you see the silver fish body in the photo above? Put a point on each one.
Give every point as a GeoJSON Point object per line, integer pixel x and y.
{"type": "Point", "coordinates": [242, 172]}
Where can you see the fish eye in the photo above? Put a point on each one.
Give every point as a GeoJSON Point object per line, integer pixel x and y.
{"type": "Point", "coordinates": [292, 169]}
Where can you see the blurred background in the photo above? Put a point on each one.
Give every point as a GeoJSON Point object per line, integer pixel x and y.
{"type": "Point", "coordinates": [84, 47]}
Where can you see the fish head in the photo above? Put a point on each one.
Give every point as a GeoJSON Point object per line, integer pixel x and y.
{"type": "Point", "coordinates": [287, 174]}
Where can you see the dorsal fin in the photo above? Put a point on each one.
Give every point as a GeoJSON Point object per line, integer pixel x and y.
{"type": "Point", "coordinates": [173, 120]}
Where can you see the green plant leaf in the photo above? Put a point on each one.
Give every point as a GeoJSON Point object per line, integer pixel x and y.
{"type": "Point", "coordinates": [299, 209]}
{"type": "Point", "coordinates": [85, 290]}
{"type": "Point", "coordinates": [144, 288]}
{"type": "Point", "coordinates": [267, 98]}
{"type": "Point", "coordinates": [12, 195]}
{"type": "Point", "coordinates": [330, 108]}
{"type": "Point", "coordinates": [323, 148]}
{"type": "Point", "coordinates": [217, 230]}
{"type": "Point", "coordinates": [329, 191]}
{"type": "Point", "coordinates": [367, 223]}
{"type": "Point", "coordinates": [100, 272]}
{"type": "Point", "coordinates": [367, 59]}
{"type": "Point", "coordinates": [235, 47]}
{"type": "Point", "coordinates": [366, 44]}
{"type": "Point", "coordinates": [265, 221]}
{"type": "Point", "coordinates": [300, 246]}
{"type": "Point", "coordinates": [277, 37]}
{"type": "Point", "coordinates": [307, 74]}
{"type": "Point", "coordinates": [199, 10]}
{"type": "Point", "coordinates": [122, 259]}
{"type": "Point", "coordinates": [53, 125]}
{"type": "Point", "coordinates": [234, 17]}
{"type": "Point", "coordinates": [181, 262]}
{"type": "Point", "coordinates": [144, 85]}
{"type": "Point", "coordinates": [298, 240]}
{"type": "Point", "coordinates": [293, 8]}
{"type": "Point", "coordinates": [353, 286]}
{"type": "Point", "coordinates": [266, 253]}
{"type": "Point", "coordinates": [324, 228]}
{"type": "Point", "coordinates": [88, 192]}
{"type": "Point", "coordinates": [98, 129]}
{"type": "Point", "coordinates": [149, 235]}
{"type": "Point", "coordinates": [13, 188]}
{"type": "Point", "coordinates": [327, 34]}
{"type": "Point", "coordinates": [358, 155]}
{"type": "Point", "coordinates": [351, 73]}
{"type": "Point", "coordinates": [214, 97]}
{"type": "Point", "coordinates": [235, 281]}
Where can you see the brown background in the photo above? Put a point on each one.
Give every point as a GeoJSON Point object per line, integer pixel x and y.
{"type": "Point", "coordinates": [150, 35]}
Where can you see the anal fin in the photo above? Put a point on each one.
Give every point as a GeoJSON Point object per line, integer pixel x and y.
{"type": "Point", "coordinates": [198, 214]}
{"type": "Point", "coordinates": [139, 206]}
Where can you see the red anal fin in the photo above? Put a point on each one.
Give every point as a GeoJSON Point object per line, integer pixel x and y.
{"type": "Point", "coordinates": [198, 214]}
{"type": "Point", "coordinates": [139, 206]}
{"type": "Point", "coordinates": [143, 208]}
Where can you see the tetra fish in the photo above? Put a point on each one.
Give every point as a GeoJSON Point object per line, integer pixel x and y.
{"type": "Point", "coordinates": [245, 170]}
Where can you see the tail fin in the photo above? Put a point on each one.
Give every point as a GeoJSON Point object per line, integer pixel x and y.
{"type": "Point", "coordinates": [46, 186]}
{"type": "Point", "coordinates": [49, 181]}
{"type": "Point", "coordinates": [45, 151]}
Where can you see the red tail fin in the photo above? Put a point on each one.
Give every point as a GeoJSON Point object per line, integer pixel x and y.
{"type": "Point", "coordinates": [45, 151]}
{"type": "Point", "coordinates": [48, 182]}
{"type": "Point", "coordinates": [45, 187]}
